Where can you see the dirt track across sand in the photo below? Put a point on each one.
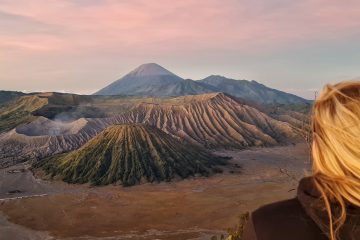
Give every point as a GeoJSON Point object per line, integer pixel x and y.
{"type": "Point", "coordinates": [196, 208]}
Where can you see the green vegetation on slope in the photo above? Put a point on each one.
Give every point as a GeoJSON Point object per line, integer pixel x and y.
{"type": "Point", "coordinates": [237, 232]}
{"type": "Point", "coordinates": [20, 111]}
{"type": "Point", "coordinates": [8, 96]}
{"type": "Point", "coordinates": [24, 109]}
{"type": "Point", "coordinates": [130, 154]}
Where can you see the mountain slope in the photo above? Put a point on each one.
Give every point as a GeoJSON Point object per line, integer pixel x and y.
{"type": "Point", "coordinates": [130, 154]}
{"type": "Point", "coordinates": [155, 81]}
{"type": "Point", "coordinates": [27, 108]}
{"type": "Point", "coordinates": [213, 120]}
{"type": "Point", "coordinates": [20, 111]}
{"type": "Point", "coordinates": [152, 80]}
{"type": "Point", "coordinates": [44, 137]}
{"type": "Point", "coordinates": [252, 91]}
{"type": "Point", "coordinates": [7, 96]}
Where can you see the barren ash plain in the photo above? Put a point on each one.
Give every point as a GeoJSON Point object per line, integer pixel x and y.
{"type": "Point", "coordinates": [196, 208]}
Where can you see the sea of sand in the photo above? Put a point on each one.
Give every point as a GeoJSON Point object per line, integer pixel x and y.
{"type": "Point", "coordinates": [195, 208]}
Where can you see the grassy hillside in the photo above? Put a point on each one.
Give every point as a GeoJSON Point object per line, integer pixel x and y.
{"type": "Point", "coordinates": [130, 154]}
{"type": "Point", "coordinates": [26, 108]}
{"type": "Point", "coordinates": [8, 96]}
{"type": "Point", "coordinates": [20, 111]}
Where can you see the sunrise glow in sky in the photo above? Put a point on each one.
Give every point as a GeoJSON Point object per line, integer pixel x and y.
{"type": "Point", "coordinates": [82, 45]}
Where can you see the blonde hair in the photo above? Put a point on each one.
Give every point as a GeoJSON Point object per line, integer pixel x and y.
{"type": "Point", "coordinates": [336, 150]}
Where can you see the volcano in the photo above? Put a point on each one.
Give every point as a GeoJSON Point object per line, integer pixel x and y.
{"type": "Point", "coordinates": [130, 154]}
{"type": "Point", "coordinates": [151, 79]}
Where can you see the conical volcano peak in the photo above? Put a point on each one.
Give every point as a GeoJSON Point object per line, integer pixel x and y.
{"type": "Point", "coordinates": [130, 154]}
{"type": "Point", "coordinates": [150, 69]}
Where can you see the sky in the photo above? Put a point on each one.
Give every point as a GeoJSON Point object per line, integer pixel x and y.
{"type": "Point", "coordinates": [81, 46]}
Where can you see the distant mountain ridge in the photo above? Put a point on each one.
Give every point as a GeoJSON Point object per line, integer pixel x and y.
{"type": "Point", "coordinates": [251, 90]}
{"type": "Point", "coordinates": [155, 81]}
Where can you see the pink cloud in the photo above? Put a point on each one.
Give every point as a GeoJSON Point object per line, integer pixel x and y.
{"type": "Point", "coordinates": [187, 25]}
{"type": "Point", "coordinates": [58, 42]}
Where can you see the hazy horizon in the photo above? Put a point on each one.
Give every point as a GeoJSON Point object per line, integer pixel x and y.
{"type": "Point", "coordinates": [80, 46]}
{"type": "Point", "coordinates": [310, 92]}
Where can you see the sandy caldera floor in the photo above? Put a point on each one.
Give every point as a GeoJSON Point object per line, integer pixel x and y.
{"type": "Point", "coordinates": [196, 208]}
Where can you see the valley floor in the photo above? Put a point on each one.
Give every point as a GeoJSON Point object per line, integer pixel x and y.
{"type": "Point", "coordinates": [196, 208]}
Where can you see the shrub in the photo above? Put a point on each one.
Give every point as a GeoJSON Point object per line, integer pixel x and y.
{"type": "Point", "coordinates": [237, 232]}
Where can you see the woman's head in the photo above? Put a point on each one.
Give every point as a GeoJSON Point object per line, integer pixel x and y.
{"type": "Point", "coordinates": [336, 148]}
